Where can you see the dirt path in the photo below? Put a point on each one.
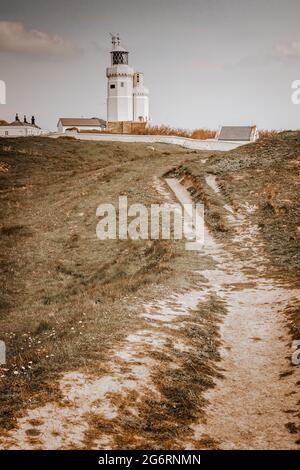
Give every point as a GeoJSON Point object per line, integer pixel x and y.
{"type": "Point", "coordinates": [252, 404]}
{"type": "Point", "coordinates": [124, 408]}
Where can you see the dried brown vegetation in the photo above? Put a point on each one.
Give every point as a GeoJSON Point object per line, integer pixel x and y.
{"type": "Point", "coordinates": [268, 134]}
{"type": "Point", "coordinates": [69, 300]}
{"type": "Point", "coordinates": [171, 131]}
{"type": "Point", "coordinates": [264, 175]}
{"type": "Point", "coordinates": [257, 188]}
{"type": "Point", "coordinates": [66, 297]}
{"type": "Point", "coordinates": [161, 419]}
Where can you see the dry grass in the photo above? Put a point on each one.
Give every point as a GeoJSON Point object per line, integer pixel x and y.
{"type": "Point", "coordinates": [203, 134]}
{"type": "Point", "coordinates": [215, 216]}
{"type": "Point", "coordinates": [162, 130]}
{"type": "Point", "coordinates": [171, 131]}
{"type": "Point", "coordinates": [268, 134]}
{"type": "Point", "coordinates": [66, 297]}
{"type": "Point", "coordinates": [264, 175]}
{"type": "Point", "coordinates": [162, 418]}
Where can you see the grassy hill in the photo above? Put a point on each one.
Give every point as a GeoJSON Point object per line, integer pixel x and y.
{"type": "Point", "coordinates": [68, 298]}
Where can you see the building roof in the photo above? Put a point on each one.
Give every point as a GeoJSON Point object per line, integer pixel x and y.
{"type": "Point", "coordinates": [73, 122]}
{"type": "Point", "coordinates": [236, 132]}
{"type": "Point", "coordinates": [23, 124]}
{"type": "Point", "coordinates": [18, 124]}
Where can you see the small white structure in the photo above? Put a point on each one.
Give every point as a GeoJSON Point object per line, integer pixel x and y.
{"type": "Point", "coordinates": [18, 128]}
{"type": "Point", "coordinates": [127, 97]}
{"type": "Point", "coordinates": [237, 133]}
{"type": "Point", "coordinates": [80, 124]}
{"type": "Point", "coordinates": [140, 99]}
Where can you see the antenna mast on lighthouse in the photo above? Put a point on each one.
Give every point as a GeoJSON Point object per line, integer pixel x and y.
{"type": "Point", "coordinates": [115, 39]}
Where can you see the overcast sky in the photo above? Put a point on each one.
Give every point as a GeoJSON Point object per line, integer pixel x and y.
{"type": "Point", "coordinates": [206, 62]}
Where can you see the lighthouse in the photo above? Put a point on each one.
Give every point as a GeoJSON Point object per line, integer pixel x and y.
{"type": "Point", "coordinates": [127, 97]}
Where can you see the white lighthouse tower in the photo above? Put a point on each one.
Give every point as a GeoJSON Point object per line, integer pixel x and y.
{"type": "Point", "coordinates": [120, 84]}
{"type": "Point", "coordinates": [127, 97]}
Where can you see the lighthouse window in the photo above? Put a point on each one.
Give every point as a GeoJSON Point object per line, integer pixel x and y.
{"type": "Point", "coordinates": [112, 85]}
{"type": "Point", "coordinates": [120, 57]}
{"type": "Point", "coordinates": [122, 84]}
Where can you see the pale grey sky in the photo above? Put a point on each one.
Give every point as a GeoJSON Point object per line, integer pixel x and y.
{"type": "Point", "coordinates": [206, 62]}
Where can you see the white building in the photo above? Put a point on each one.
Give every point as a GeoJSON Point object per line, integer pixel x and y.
{"type": "Point", "coordinates": [18, 128]}
{"type": "Point", "coordinates": [127, 97]}
{"type": "Point", "coordinates": [80, 124]}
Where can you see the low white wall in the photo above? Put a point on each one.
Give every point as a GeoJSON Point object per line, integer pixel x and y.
{"type": "Point", "coordinates": [6, 131]}
{"type": "Point", "coordinates": [18, 131]}
{"type": "Point", "coordinates": [209, 144]}
{"type": "Point", "coordinates": [64, 129]}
